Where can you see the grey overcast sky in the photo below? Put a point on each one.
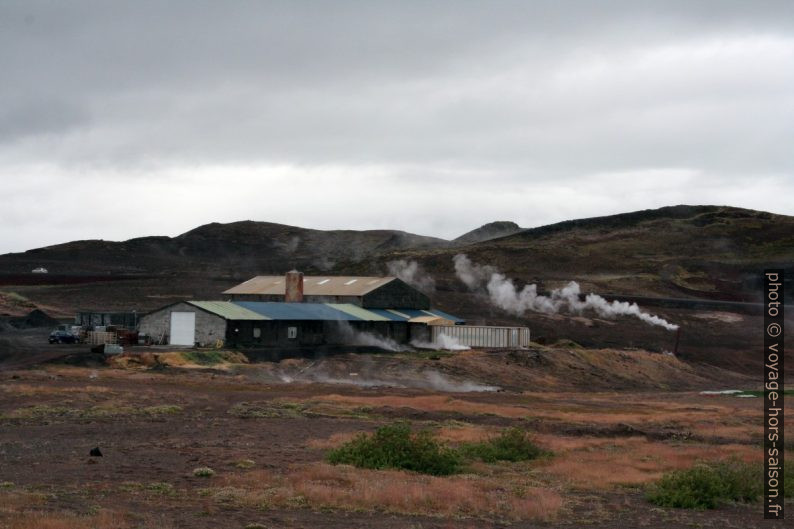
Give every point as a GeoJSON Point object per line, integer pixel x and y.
{"type": "Point", "coordinates": [124, 119]}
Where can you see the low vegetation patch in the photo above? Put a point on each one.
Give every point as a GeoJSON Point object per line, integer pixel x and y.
{"type": "Point", "coordinates": [211, 358]}
{"type": "Point", "coordinates": [396, 446]}
{"type": "Point", "coordinates": [293, 410]}
{"type": "Point", "coordinates": [46, 411]}
{"type": "Point", "coordinates": [67, 520]}
{"type": "Point", "coordinates": [245, 463]}
{"type": "Point", "coordinates": [324, 486]}
{"type": "Point", "coordinates": [707, 485]}
{"type": "Point", "coordinates": [513, 444]}
{"type": "Point", "coordinates": [203, 472]}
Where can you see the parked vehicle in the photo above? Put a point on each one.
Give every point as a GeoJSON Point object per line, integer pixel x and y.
{"type": "Point", "coordinates": [62, 337]}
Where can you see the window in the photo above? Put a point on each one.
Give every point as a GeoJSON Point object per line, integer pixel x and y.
{"type": "Point", "coordinates": [257, 332]}
{"type": "Point", "coordinates": [292, 332]}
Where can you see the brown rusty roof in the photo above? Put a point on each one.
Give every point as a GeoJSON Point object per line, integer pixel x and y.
{"type": "Point", "coordinates": [312, 285]}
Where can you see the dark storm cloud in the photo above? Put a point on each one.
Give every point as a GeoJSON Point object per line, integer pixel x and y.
{"type": "Point", "coordinates": [546, 97]}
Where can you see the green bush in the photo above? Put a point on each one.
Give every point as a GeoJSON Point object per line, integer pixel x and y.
{"type": "Point", "coordinates": [788, 479]}
{"type": "Point", "coordinates": [396, 446]}
{"type": "Point", "coordinates": [513, 444]}
{"type": "Point", "coordinates": [707, 485]}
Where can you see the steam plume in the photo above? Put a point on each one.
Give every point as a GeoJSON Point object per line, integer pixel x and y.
{"type": "Point", "coordinates": [443, 342]}
{"type": "Point", "coordinates": [504, 294]}
{"type": "Point", "coordinates": [371, 374]}
{"type": "Point", "coordinates": [351, 336]}
{"type": "Point", "coordinates": [412, 273]}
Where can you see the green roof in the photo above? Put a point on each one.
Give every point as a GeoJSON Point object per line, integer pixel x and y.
{"type": "Point", "coordinates": [228, 310]}
{"type": "Point", "coordinates": [358, 312]}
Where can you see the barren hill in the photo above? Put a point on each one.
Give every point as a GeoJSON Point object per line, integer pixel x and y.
{"type": "Point", "coordinates": [697, 266]}
{"type": "Point", "coordinates": [486, 232]}
{"type": "Point", "coordinates": [699, 252]}
{"type": "Point", "coordinates": [237, 249]}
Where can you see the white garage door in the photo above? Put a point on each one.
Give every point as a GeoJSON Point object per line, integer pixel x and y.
{"type": "Point", "coordinates": [183, 328]}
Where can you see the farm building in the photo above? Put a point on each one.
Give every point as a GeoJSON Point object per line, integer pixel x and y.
{"type": "Point", "coordinates": [278, 324]}
{"type": "Point", "coordinates": [368, 292]}
{"type": "Point", "coordinates": [297, 311]}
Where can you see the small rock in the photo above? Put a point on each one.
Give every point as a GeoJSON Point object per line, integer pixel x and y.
{"type": "Point", "coordinates": [95, 452]}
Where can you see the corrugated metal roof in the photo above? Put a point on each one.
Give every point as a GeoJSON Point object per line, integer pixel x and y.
{"type": "Point", "coordinates": [361, 313]}
{"type": "Point", "coordinates": [432, 320]}
{"type": "Point", "coordinates": [407, 314]}
{"type": "Point", "coordinates": [228, 310]}
{"type": "Point", "coordinates": [275, 310]}
{"type": "Point", "coordinates": [445, 315]}
{"type": "Point", "coordinates": [312, 285]}
{"type": "Point", "coordinates": [389, 315]}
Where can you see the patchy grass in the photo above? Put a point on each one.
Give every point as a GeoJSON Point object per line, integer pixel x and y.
{"type": "Point", "coordinates": [513, 444]}
{"type": "Point", "coordinates": [324, 486]}
{"type": "Point", "coordinates": [331, 442]}
{"type": "Point", "coordinates": [436, 403]}
{"type": "Point", "coordinates": [268, 410]}
{"type": "Point", "coordinates": [29, 390]}
{"type": "Point", "coordinates": [162, 409]}
{"type": "Point", "coordinates": [46, 411]}
{"type": "Point", "coordinates": [20, 509]}
{"type": "Point", "coordinates": [599, 464]}
{"type": "Point", "coordinates": [66, 520]}
{"type": "Point", "coordinates": [13, 501]}
{"type": "Point", "coordinates": [211, 358]}
{"type": "Point", "coordinates": [397, 446]}
{"type": "Point", "coordinates": [161, 487]}
{"type": "Point", "coordinates": [707, 485]}
{"type": "Point", "coordinates": [293, 410]}
{"type": "Point", "coordinates": [245, 463]}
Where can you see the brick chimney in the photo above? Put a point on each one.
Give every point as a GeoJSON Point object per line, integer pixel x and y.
{"type": "Point", "coordinates": [293, 291]}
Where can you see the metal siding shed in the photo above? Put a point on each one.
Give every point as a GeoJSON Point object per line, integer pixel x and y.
{"type": "Point", "coordinates": [275, 310]}
{"type": "Point", "coordinates": [227, 310]}
{"type": "Point", "coordinates": [355, 310]}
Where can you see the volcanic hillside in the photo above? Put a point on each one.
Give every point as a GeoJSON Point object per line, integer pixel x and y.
{"type": "Point", "coordinates": [698, 266]}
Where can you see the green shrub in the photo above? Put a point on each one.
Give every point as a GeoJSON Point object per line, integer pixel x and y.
{"type": "Point", "coordinates": [707, 485]}
{"type": "Point", "coordinates": [396, 446]}
{"type": "Point", "coordinates": [788, 479]}
{"type": "Point", "coordinates": [514, 444]}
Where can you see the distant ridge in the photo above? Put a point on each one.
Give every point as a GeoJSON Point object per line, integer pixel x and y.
{"type": "Point", "coordinates": [486, 232]}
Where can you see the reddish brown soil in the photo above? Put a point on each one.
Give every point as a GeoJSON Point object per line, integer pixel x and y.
{"type": "Point", "coordinates": [47, 430]}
